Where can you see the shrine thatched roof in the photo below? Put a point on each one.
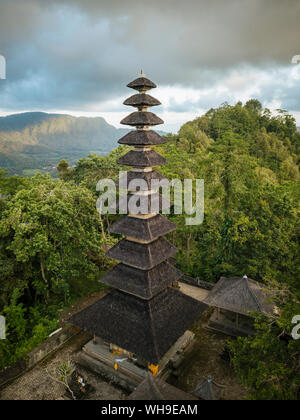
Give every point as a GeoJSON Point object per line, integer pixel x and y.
{"type": "Point", "coordinates": [141, 83]}
{"type": "Point", "coordinates": [146, 176]}
{"type": "Point", "coordinates": [141, 283]}
{"type": "Point", "coordinates": [209, 390]}
{"type": "Point", "coordinates": [142, 138]}
{"type": "Point", "coordinates": [142, 118]}
{"type": "Point", "coordinates": [143, 229]}
{"type": "Point", "coordinates": [155, 389]}
{"type": "Point", "coordinates": [173, 261]}
{"type": "Point", "coordinates": [240, 295]}
{"type": "Point", "coordinates": [141, 158]}
{"type": "Point", "coordinates": [141, 99]}
{"type": "Point", "coordinates": [145, 204]}
{"type": "Point", "coordinates": [142, 256]}
{"type": "Point", "coordinates": [147, 328]}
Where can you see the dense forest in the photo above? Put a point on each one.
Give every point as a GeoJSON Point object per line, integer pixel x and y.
{"type": "Point", "coordinates": [53, 241]}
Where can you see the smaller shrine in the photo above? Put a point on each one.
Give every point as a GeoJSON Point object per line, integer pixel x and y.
{"type": "Point", "coordinates": [155, 389]}
{"type": "Point", "coordinates": [209, 390]}
{"type": "Point", "coordinates": [234, 299]}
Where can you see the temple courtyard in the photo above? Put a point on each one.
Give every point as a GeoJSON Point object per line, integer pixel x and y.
{"type": "Point", "coordinates": [205, 358]}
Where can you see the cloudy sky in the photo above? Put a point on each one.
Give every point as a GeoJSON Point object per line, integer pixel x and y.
{"type": "Point", "coordinates": [76, 56]}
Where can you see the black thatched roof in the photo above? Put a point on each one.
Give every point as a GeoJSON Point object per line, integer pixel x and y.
{"type": "Point", "coordinates": [142, 138]}
{"type": "Point", "coordinates": [209, 390]}
{"type": "Point", "coordinates": [141, 118]}
{"type": "Point", "coordinates": [147, 328]}
{"type": "Point", "coordinates": [155, 389]}
{"type": "Point", "coordinates": [172, 261]}
{"type": "Point", "coordinates": [143, 229]}
{"type": "Point", "coordinates": [141, 100]}
{"type": "Point", "coordinates": [146, 176]}
{"type": "Point", "coordinates": [141, 283]}
{"type": "Point", "coordinates": [153, 203]}
{"type": "Point", "coordinates": [240, 295]}
{"type": "Point", "coordinates": [141, 84]}
{"type": "Point", "coordinates": [143, 256]}
{"type": "Point", "coordinates": [141, 159]}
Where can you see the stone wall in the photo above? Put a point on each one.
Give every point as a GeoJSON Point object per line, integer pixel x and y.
{"type": "Point", "coordinates": [197, 282]}
{"type": "Point", "coordinates": [50, 345]}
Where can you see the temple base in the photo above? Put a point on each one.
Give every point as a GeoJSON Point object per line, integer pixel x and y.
{"type": "Point", "coordinates": [96, 356]}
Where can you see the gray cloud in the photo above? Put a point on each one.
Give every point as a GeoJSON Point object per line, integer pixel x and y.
{"type": "Point", "coordinates": [68, 54]}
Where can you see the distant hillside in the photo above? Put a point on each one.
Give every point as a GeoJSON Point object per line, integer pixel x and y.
{"type": "Point", "coordinates": [38, 141]}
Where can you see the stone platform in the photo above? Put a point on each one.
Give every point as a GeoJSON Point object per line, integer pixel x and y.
{"type": "Point", "coordinates": [195, 292]}
{"type": "Point", "coordinates": [96, 356]}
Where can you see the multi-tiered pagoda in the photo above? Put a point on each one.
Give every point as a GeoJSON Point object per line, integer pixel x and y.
{"type": "Point", "coordinates": [144, 314]}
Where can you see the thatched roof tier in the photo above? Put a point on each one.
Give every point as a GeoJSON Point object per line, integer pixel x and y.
{"type": "Point", "coordinates": [142, 118]}
{"type": "Point", "coordinates": [141, 100]}
{"type": "Point", "coordinates": [209, 390]}
{"type": "Point", "coordinates": [143, 229]}
{"type": "Point", "coordinates": [155, 389]}
{"type": "Point", "coordinates": [142, 138]}
{"type": "Point", "coordinates": [147, 328]}
{"type": "Point", "coordinates": [240, 295]}
{"type": "Point", "coordinates": [145, 204]}
{"type": "Point", "coordinates": [173, 261]}
{"type": "Point", "coordinates": [141, 283]}
{"type": "Point", "coordinates": [141, 84]}
{"type": "Point", "coordinates": [141, 159]}
{"type": "Point", "coordinates": [146, 176]}
{"type": "Point", "coordinates": [142, 256]}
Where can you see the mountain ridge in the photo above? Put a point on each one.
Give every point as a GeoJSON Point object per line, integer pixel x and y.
{"type": "Point", "coordinates": [39, 140]}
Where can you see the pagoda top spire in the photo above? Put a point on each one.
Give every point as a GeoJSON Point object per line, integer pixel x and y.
{"type": "Point", "coordinates": [141, 100]}
{"type": "Point", "coordinates": [142, 119]}
{"type": "Point", "coordinates": [142, 84]}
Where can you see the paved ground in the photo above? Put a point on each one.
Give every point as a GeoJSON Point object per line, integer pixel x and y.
{"type": "Point", "coordinates": [37, 385]}
{"type": "Point", "coordinates": [193, 291]}
{"type": "Point", "coordinates": [203, 360]}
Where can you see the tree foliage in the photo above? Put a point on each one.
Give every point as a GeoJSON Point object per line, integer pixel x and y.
{"type": "Point", "coordinates": [268, 362]}
{"type": "Point", "coordinates": [51, 251]}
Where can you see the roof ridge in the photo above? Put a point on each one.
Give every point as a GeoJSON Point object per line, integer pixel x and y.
{"type": "Point", "coordinates": [148, 228]}
{"type": "Point", "coordinates": [208, 388]}
{"type": "Point", "coordinates": [230, 287]}
{"type": "Point", "coordinates": [253, 294]}
{"type": "Point", "coordinates": [150, 253]}
{"type": "Point", "coordinates": [209, 384]}
{"type": "Point", "coordinates": [152, 328]}
{"type": "Point", "coordinates": [155, 387]}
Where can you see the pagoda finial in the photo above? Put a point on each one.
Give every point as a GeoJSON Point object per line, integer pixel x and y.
{"type": "Point", "coordinates": [142, 74]}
